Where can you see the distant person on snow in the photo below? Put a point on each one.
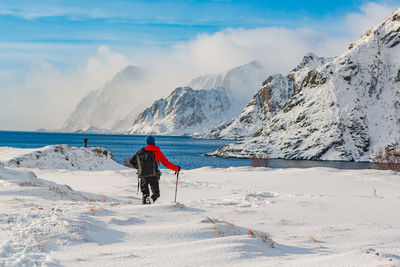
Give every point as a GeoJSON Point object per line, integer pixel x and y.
{"type": "Point", "coordinates": [85, 140]}
{"type": "Point", "coordinates": [146, 160]}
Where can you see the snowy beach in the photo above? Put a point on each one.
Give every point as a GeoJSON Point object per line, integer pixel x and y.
{"type": "Point", "coordinates": [241, 216]}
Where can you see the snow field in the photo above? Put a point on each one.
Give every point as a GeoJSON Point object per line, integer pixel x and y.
{"type": "Point", "coordinates": [315, 217]}
{"type": "Point", "coordinates": [225, 217]}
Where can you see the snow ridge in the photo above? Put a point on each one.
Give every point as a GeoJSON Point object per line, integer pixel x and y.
{"type": "Point", "coordinates": [60, 157]}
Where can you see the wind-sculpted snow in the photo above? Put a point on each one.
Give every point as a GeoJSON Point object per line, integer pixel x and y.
{"type": "Point", "coordinates": [270, 98]}
{"type": "Point", "coordinates": [53, 190]}
{"type": "Point", "coordinates": [59, 157]}
{"type": "Point", "coordinates": [31, 224]}
{"type": "Point", "coordinates": [346, 109]}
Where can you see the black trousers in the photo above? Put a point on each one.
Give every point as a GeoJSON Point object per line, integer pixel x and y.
{"type": "Point", "coordinates": [155, 188]}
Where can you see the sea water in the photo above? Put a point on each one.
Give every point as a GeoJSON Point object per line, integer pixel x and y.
{"type": "Point", "coordinates": [187, 152]}
{"type": "Point", "coordinates": [183, 151]}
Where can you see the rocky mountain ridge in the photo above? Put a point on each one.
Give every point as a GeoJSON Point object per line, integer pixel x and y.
{"type": "Point", "coordinates": [275, 91]}
{"type": "Point", "coordinates": [184, 111]}
{"type": "Point", "coordinates": [345, 109]}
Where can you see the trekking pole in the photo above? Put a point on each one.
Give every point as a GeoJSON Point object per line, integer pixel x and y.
{"type": "Point", "coordinates": [138, 183]}
{"type": "Point", "coordinates": [176, 188]}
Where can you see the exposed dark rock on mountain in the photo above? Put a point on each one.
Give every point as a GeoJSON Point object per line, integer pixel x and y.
{"type": "Point", "coordinates": [183, 111]}
{"type": "Point", "coordinates": [274, 93]}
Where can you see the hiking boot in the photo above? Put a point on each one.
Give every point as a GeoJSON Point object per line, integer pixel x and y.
{"type": "Point", "coordinates": [154, 198]}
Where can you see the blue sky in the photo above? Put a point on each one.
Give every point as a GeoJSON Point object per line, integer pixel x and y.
{"type": "Point", "coordinates": [122, 22]}
{"type": "Point", "coordinates": [83, 43]}
{"type": "Point", "coordinates": [41, 29]}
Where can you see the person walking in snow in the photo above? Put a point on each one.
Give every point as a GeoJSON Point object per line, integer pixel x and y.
{"type": "Point", "coordinates": [85, 141]}
{"type": "Point", "coordinates": [146, 160]}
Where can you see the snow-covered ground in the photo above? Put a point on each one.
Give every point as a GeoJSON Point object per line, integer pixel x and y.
{"type": "Point", "coordinates": [59, 157]}
{"type": "Point", "coordinates": [225, 217]}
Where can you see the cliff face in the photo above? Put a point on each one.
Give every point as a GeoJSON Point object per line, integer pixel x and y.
{"type": "Point", "coordinates": [346, 109]}
{"type": "Point", "coordinates": [275, 91]}
{"type": "Point", "coordinates": [185, 110]}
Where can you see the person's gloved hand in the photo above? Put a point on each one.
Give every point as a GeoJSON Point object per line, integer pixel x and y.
{"type": "Point", "coordinates": [179, 169]}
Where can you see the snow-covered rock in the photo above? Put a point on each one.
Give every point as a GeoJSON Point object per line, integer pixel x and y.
{"type": "Point", "coordinates": [183, 112]}
{"type": "Point", "coordinates": [101, 109]}
{"type": "Point", "coordinates": [59, 157]}
{"type": "Point", "coordinates": [270, 98]}
{"type": "Point", "coordinates": [346, 109]}
{"type": "Point", "coordinates": [208, 101]}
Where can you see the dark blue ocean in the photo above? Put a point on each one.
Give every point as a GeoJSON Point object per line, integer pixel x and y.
{"type": "Point", "coordinates": [183, 151]}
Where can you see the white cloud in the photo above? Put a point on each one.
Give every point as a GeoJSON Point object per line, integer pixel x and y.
{"type": "Point", "coordinates": [49, 94]}
{"type": "Point", "coordinates": [280, 49]}
{"type": "Point", "coordinates": [102, 67]}
{"type": "Point", "coordinates": [371, 14]}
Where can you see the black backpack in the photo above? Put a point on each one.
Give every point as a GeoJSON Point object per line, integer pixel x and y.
{"type": "Point", "coordinates": [146, 164]}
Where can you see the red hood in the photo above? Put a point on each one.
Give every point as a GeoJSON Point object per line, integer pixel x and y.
{"type": "Point", "coordinates": [151, 148]}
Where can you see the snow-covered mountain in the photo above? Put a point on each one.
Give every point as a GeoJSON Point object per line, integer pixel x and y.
{"type": "Point", "coordinates": [208, 101]}
{"type": "Point", "coordinates": [275, 91]}
{"type": "Point", "coordinates": [115, 107]}
{"type": "Point", "coordinates": [346, 109]}
{"type": "Point", "coordinates": [101, 109]}
{"type": "Point", "coordinates": [183, 112]}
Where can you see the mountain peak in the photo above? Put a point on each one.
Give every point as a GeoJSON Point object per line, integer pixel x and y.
{"type": "Point", "coordinates": [388, 31]}
{"type": "Point", "coordinates": [309, 59]}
